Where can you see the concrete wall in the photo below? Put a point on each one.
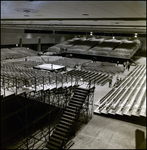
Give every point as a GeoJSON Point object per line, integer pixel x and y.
{"type": "Point", "coordinates": [32, 38]}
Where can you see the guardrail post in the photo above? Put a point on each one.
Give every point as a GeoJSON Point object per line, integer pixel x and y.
{"type": "Point", "coordinates": [56, 80]}
{"type": "Point", "coordinates": [71, 79]}
{"type": "Point", "coordinates": [16, 85]}
{"type": "Point", "coordinates": [43, 82]}
{"type": "Point", "coordinates": [4, 85]}
{"type": "Point", "coordinates": [35, 84]}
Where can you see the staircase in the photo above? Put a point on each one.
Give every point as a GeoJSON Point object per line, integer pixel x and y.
{"type": "Point", "coordinates": [65, 126]}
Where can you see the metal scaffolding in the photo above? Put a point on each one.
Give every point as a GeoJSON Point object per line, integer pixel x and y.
{"type": "Point", "coordinates": [49, 92]}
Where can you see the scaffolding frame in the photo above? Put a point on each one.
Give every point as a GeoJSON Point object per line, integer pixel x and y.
{"type": "Point", "coordinates": [49, 89]}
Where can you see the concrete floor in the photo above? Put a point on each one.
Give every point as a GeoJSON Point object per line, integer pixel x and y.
{"type": "Point", "coordinates": [106, 133]}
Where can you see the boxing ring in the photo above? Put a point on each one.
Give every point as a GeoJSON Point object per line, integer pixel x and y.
{"type": "Point", "coordinates": [50, 67]}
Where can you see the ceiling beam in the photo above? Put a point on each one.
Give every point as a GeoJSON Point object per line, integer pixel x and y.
{"type": "Point", "coordinates": [72, 19]}
{"type": "Point", "coordinates": [71, 25]}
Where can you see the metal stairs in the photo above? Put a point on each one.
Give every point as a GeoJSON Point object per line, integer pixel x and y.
{"type": "Point", "coordinates": [65, 127]}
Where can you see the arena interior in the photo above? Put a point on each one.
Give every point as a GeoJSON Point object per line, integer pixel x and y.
{"type": "Point", "coordinates": [72, 81]}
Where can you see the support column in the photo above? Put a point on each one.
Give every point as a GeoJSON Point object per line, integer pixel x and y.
{"type": "Point", "coordinates": [39, 45]}
{"type": "Point", "coordinates": [20, 42]}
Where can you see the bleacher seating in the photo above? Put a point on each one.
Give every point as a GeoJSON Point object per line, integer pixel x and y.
{"type": "Point", "coordinates": [95, 77]}
{"type": "Point", "coordinates": [103, 67]}
{"type": "Point", "coordinates": [126, 49]}
{"type": "Point", "coordinates": [16, 52]}
{"type": "Point", "coordinates": [121, 48]}
{"type": "Point", "coordinates": [128, 97]}
{"type": "Point", "coordinates": [69, 62]}
{"type": "Point", "coordinates": [105, 47]}
{"type": "Point", "coordinates": [58, 48]}
{"type": "Point", "coordinates": [6, 53]}
{"type": "Point", "coordinates": [25, 51]}
{"type": "Point", "coordinates": [83, 46]}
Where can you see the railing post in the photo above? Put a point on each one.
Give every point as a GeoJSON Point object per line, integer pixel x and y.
{"type": "Point", "coordinates": [26, 122]}
{"type": "Point", "coordinates": [56, 80]}
{"type": "Point", "coordinates": [49, 77]}
{"type": "Point", "coordinates": [71, 79]}
{"type": "Point", "coordinates": [35, 84]}
{"type": "Point", "coordinates": [43, 82]}
{"type": "Point", "coordinates": [58, 96]}
{"type": "Point", "coordinates": [62, 80]}
{"type": "Point", "coordinates": [66, 76]}
{"type": "Point", "coordinates": [16, 85]}
{"type": "Point", "coordinates": [4, 85]}
{"type": "Point", "coordinates": [49, 124]}
{"type": "Point", "coordinates": [89, 84]}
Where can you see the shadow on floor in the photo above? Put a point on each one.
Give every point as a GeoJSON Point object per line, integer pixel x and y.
{"type": "Point", "coordinates": [130, 119]}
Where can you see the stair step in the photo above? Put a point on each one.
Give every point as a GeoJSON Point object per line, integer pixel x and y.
{"type": "Point", "coordinates": [78, 99]}
{"type": "Point", "coordinates": [63, 126]}
{"type": "Point", "coordinates": [70, 120]}
{"type": "Point", "coordinates": [68, 112]}
{"type": "Point", "coordinates": [51, 146]}
{"type": "Point", "coordinates": [72, 109]}
{"type": "Point", "coordinates": [61, 129]}
{"type": "Point", "coordinates": [79, 96]}
{"type": "Point", "coordinates": [76, 105]}
{"type": "Point", "coordinates": [55, 139]}
{"type": "Point", "coordinates": [78, 102]}
{"type": "Point", "coordinates": [79, 93]}
{"type": "Point", "coordinates": [56, 135]}
{"type": "Point", "coordinates": [68, 116]}
{"type": "Point", "coordinates": [51, 142]}
{"type": "Point", "coordinates": [82, 90]}
{"type": "Point", "coordinates": [60, 133]}
{"type": "Point", "coordinates": [75, 101]}
{"type": "Point", "coordinates": [61, 121]}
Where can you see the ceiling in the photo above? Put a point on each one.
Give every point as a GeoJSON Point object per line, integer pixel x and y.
{"type": "Point", "coordinates": [96, 16]}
